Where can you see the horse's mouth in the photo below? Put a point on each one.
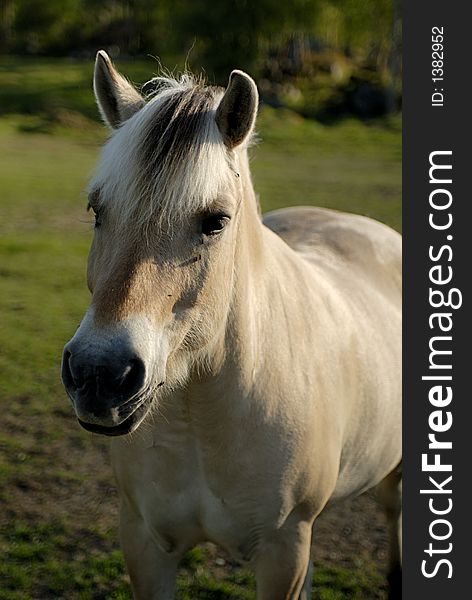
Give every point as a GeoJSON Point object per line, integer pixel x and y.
{"type": "Point", "coordinates": [130, 424]}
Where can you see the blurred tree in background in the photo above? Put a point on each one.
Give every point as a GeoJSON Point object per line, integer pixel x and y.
{"type": "Point", "coordinates": [351, 48]}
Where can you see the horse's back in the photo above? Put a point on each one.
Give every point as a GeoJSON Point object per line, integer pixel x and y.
{"type": "Point", "coordinates": [359, 261]}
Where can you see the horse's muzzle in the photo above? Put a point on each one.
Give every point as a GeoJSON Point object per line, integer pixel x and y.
{"type": "Point", "coordinates": [105, 390]}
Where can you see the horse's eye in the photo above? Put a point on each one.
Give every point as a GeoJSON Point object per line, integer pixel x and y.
{"type": "Point", "coordinates": [97, 218]}
{"type": "Point", "coordinates": [213, 224]}
{"type": "Point", "coordinates": [96, 214]}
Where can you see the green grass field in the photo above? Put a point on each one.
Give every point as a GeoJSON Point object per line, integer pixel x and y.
{"type": "Point", "coordinates": [57, 502]}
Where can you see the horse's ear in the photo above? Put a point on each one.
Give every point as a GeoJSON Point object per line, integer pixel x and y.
{"type": "Point", "coordinates": [116, 98]}
{"type": "Point", "coordinates": [236, 113]}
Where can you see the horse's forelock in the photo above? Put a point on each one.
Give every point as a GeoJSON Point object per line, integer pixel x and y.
{"type": "Point", "coordinates": [169, 160]}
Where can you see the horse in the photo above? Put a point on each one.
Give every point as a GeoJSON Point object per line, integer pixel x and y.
{"type": "Point", "coordinates": [247, 367]}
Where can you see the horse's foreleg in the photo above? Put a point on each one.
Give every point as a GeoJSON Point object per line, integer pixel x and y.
{"type": "Point", "coordinates": [281, 566]}
{"type": "Point", "coordinates": [305, 594]}
{"type": "Point", "coordinates": [152, 571]}
{"type": "Point", "coordinates": [390, 494]}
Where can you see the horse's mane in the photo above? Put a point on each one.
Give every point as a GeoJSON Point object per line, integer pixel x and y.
{"type": "Point", "coordinates": [169, 159]}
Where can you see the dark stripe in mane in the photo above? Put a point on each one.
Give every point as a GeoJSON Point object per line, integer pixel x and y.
{"type": "Point", "coordinates": [175, 129]}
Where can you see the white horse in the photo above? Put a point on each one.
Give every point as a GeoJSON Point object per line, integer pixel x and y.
{"type": "Point", "coordinates": [249, 367]}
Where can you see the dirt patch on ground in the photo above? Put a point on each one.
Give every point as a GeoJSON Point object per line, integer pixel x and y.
{"type": "Point", "coordinates": [353, 530]}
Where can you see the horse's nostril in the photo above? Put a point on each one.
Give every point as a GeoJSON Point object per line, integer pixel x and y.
{"type": "Point", "coordinates": [132, 378]}
{"type": "Point", "coordinates": [66, 372]}
{"type": "Point", "coordinates": [113, 380]}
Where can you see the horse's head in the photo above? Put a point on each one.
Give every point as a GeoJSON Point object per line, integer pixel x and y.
{"type": "Point", "coordinates": [167, 201]}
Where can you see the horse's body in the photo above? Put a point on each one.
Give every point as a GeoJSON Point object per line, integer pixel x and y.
{"type": "Point", "coordinates": [291, 397]}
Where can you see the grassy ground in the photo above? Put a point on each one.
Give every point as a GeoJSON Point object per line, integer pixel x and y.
{"type": "Point", "coordinates": [57, 500]}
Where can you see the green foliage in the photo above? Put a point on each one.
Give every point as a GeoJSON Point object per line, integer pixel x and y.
{"type": "Point", "coordinates": [235, 30]}
{"type": "Point", "coordinates": [335, 583]}
{"type": "Point", "coordinates": [203, 587]}
{"type": "Point", "coordinates": [231, 32]}
{"type": "Point", "coordinates": [51, 21]}
{"type": "Point", "coordinates": [358, 25]}
{"type": "Point", "coordinates": [34, 564]}
{"type": "Point", "coordinates": [319, 57]}
{"type": "Point", "coordinates": [194, 558]}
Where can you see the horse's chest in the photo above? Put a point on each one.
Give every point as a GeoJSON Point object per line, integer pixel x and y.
{"type": "Point", "coordinates": [182, 504]}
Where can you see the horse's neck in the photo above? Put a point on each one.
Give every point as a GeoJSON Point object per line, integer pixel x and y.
{"type": "Point", "coordinates": [248, 333]}
{"type": "Point", "coordinates": [250, 259]}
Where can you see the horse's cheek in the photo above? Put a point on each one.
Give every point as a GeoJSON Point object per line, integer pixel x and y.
{"type": "Point", "coordinates": [91, 270]}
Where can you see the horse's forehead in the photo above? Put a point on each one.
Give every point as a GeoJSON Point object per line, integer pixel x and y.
{"type": "Point", "coordinates": [170, 159]}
